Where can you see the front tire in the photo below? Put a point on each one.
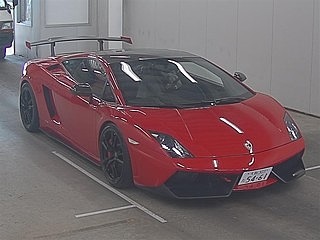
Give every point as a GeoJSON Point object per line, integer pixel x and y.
{"type": "Point", "coordinates": [115, 159]}
{"type": "Point", "coordinates": [28, 108]}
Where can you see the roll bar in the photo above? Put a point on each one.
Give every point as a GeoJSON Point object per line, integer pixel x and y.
{"type": "Point", "coordinates": [52, 41]}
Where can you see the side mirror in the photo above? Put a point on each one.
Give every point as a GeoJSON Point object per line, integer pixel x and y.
{"type": "Point", "coordinates": [82, 89]}
{"type": "Point", "coordinates": [240, 76]}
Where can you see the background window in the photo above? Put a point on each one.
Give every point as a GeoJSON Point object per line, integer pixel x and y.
{"type": "Point", "coordinates": [24, 12]}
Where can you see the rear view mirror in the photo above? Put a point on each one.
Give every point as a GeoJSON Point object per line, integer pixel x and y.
{"type": "Point", "coordinates": [240, 76]}
{"type": "Point", "coordinates": [82, 89]}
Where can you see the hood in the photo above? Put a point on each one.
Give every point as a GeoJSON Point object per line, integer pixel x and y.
{"type": "Point", "coordinates": [222, 130]}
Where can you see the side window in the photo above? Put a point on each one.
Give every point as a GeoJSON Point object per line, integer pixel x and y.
{"type": "Point", "coordinates": [98, 77]}
{"type": "Point", "coordinates": [89, 70]}
{"type": "Point", "coordinates": [108, 93]}
{"type": "Point", "coordinates": [78, 69]}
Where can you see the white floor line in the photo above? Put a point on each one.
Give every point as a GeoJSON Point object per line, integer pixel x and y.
{"type": "Point", "coordinates": [111, 189]}
{"type": "Point", "coordinates": [104, 211]}
{"type": "Point", "coordinates": [312, 168]}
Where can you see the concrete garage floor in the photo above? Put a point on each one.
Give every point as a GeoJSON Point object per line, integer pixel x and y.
{"type": "Point", "coordinates": [42, 196]}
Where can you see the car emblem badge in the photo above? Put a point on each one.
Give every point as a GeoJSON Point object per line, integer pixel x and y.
{"type": "Point", "coordinates": [249, 146]}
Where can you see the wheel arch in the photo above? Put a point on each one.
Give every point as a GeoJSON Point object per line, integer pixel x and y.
{"type": "Point", "coordinates": [125, 140]}
{"type": "Point", "coordinates": [129, 169]}
{"type": "Point", "coordinates": [103, 125]}
{"type": "Point", "coordinates": [23, 81]}
{"type": "Point", "coordinates": [33, 124]}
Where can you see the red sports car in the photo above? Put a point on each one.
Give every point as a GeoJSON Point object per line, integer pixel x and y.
{"type": "Point", "coordinates": [161, 119]}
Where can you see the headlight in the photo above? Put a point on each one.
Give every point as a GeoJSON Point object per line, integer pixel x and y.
{"type": "Point", "coordinates": [171, 146]}
{"type": "Point", "coordinates": [292, 127]}
{"type": "Point", "coordinates": [6, 26]}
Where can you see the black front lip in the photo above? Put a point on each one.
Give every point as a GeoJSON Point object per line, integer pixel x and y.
{"type": "Point", "coordinates": [201, 185]}
{"type": "Point", "coordinates": [290, 169]}
{"type": "Point", "coordinates": [190, 185]}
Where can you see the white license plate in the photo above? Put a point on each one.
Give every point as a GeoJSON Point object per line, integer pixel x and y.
{"type": "Point", "coordinates": [255, 176]}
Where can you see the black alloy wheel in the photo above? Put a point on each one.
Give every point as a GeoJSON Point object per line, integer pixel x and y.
{"type": "Point", "coordinates": [28, 109]}
{"type": "Point", "coordinates": [115, 159]}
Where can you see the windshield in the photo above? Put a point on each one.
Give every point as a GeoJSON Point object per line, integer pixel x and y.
{"type": "Point", "coordinates": [177, 82]}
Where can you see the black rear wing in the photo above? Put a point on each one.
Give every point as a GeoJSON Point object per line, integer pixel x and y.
{"type": "Point", "coordinates": [52, 41]}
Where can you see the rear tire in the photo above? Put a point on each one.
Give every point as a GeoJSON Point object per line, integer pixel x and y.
{"type": "Point", "coordinates": [2, 53]}
{"type": "Point", "coordinates": [28, 109]}
{"type": "Point", "coordinates": [115, 159]}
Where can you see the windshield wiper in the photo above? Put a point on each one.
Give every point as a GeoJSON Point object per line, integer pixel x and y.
{"type": "Point", "coordinates": [180, 105]}
{"type": "Point", "coordinates": [228, 100]}
{"type": "Point", "coordinates": [204, 103]}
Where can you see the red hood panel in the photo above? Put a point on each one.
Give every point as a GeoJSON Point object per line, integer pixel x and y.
{"type": "Point", "coordinates": [220, 130]}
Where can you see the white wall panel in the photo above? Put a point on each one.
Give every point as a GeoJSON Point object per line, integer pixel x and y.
{"type": "Point", "coordinates": [292, 51]}
{"type": "Point", "coordinates": [193, 27]}
{"type": "Point", "coordinates": [254, 44]}
{"type": "Point", "coordinates": [70, 28]}
{"type": "Point", "coordinates": [167, 25]}
{"type": "Point", "coordinates": [139, 22]}
{"type": "Point", "coordinates": [115, 19]}
{"type": "Point", "coordinates": [66, 14]}
{"type": "Point", "coordinates": [222, 32]}
{"type": "Point", "coordinates": [102, 28]}
{"type": "Point", "coordinates": [24, 33]}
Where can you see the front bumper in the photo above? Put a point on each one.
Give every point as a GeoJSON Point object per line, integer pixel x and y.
{"type": "Point", "coordinates": [186, 185]}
